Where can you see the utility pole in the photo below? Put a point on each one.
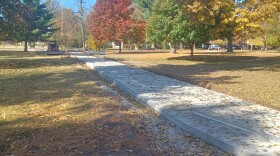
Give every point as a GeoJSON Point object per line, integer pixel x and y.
{"type": "Point", "coordinates": [82, 22]}
{"type": "Point", "coordinates": [62, 17]}
{"type": "Point", "coordinates": [62, 23]}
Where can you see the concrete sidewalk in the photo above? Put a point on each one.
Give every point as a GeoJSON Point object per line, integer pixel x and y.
{"type": "Point", "coordinates": [235, 126]}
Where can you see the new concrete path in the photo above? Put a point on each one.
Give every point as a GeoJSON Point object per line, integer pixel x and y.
{"type": "Point", "coordinates": [235, 126]}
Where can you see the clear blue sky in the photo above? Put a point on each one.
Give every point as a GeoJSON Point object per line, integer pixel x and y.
{"type": "Point", "coordinates": [74, 4]}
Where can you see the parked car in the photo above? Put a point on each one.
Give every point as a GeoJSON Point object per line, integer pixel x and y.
{"type": "Point", "coordinates": [214, 47]}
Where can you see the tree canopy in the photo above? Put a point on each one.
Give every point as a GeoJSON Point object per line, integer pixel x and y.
{"type": "Point", "coordinates": [228, 19]}
{"type": "Point", "coordinates": [31, 22]}
{"type": "Point", "coordinates": [110, 20]}
{"type": "Point", "coordinates": [142, 9]}
{"type": "Point", "coordinates": [169, 24]}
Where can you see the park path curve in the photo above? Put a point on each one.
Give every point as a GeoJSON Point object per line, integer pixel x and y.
{"type": "Point", "coordinates": [234, 125]}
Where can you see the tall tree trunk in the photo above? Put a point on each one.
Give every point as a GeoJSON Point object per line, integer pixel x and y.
{"type": "Point", "coordinates": [265, 43]}
{"type": "Point", "coordinates": [192, 49]}
{"type": "Point", "coordinates": [120, 47]}
{"type": "Point", "coordinates": [25, 46]}
{"type": "Point", "coordinates": [229, 48]}
{"type": "Point", "coordinates": [172, 48]}
{"type": "Point", "coordinates": [130, 46]}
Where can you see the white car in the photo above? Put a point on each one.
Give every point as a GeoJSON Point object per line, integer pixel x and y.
{"type": "Point", "coordinates": [214, 47]}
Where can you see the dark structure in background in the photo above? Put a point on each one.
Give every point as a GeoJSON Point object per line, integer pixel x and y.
{"type": "Point", "coordinates": [53, 46]}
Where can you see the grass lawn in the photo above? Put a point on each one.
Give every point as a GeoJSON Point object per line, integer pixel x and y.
{"type": "Point", "coordinates": [56, 106]}
{"type": "Point", "coordinates": [252, 76]}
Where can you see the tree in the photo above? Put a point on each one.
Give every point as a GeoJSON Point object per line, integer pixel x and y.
{"type": "Point", "coordinates": [52, 5]}
{"type": "Point", "coordinates": [110, 20]}
{"type": "Point", "coordinates": [273, 31]}
{"type": "Point", "coordinates": [228, 19]}
{"type": "Point", "coordinates": [70, 34]}
{"type": "Point", "coordinates": [68, 25]}
{"type": "Point", "coordinates": [142, 9]}
{"type": "Point", "coordinates": [31, 22]}
{"type": "Point", "coordinates": [94, 44]}
{"type": "Point", "coordinates": [218, 15]}
{"type": "Point", "coordinates": [167, 23]}
{"type": "Point", "coordinates": [266, 16]}
{"type": "Point", "coordinates": [136, 31]}
{"type": "Point", "coordinates": [10, 20]}
{"type": "Point", "coordinates": [38, 22]}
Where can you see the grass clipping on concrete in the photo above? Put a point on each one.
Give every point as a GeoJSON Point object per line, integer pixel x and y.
{"type": "Point", "coordinates": [251, 76]}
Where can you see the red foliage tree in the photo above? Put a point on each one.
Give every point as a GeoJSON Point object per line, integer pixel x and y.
{"type": "Point", "coordinates": [110, 20]}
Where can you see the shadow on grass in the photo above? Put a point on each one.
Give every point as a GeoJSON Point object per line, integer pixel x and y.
{"type": "Point", "coordinates": [46, 87]}
{"type": "Point", "coordinates": [209, 64]}
{"type": "Point", "coordinates": [57, 115]}
{"type": "Point", "coordinates": [223, 57]}
{"type": "Point", "coordinates": [231, 69]}
{"type": "Point", "coordinates": [182, 101]}
{"type": "Point", "coordinates": [39, 79]}
{"type": "Point", "coordinates": [32, 63]}
{"type": "Point", "coordinates": [140, 52]}
{"type": "Point", "coordinates": [231, 62]}
{"type": "Point", "coordinates": [102, 136]}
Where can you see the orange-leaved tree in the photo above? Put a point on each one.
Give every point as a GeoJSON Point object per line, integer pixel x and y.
{"type": "Point", "coordinates": [110, 20]}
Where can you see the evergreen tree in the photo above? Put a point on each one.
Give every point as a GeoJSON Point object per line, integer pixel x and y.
{"type": "Point", "coordinates": [37, 22]}
{"type": "Point", "coordinates": [10, 20]}
{"type": "Point", "coordinates": [25, 20]}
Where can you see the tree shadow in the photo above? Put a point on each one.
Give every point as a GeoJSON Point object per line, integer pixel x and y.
{"type": "Point", "coordinates": [101, 136]}
{"type": "Point", "coordinates": [42, 87]}
{"type": "Point", "coordinates": [31, 63]}
{"type": "Point", "coordinates": [222, 57]}
{"type": "Point", "coordinates": [39, 80]}
{"type": "Point", "coordinates": [67, 137]}
{"type": "Point", "coordinates": [79, 129]}
{"type": "Point", "coordinates": [185, 104]}
{"type": "Point", "coordinates": [206, 65]}
{"type": "Point", "coordinates": [142, 52]}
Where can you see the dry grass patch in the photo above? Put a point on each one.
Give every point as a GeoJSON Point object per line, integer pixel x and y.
{"type": "Point", "coordinates": [252, 76]}
{"type": "Point", "coordinates": [54, 106]}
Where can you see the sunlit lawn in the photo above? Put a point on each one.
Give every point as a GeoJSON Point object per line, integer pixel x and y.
{"type": "Point", "coordinates": [252, 76]}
